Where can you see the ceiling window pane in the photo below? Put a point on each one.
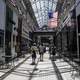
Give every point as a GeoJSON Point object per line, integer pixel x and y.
{"type": "Point", "coordinates": [36, 15]}
{"type": "Point", "coordinates": [42, 4]}
{"type": "Point", "coordinates": [34, 6]}
{"type": "Point", "coordinates": [38, 5]}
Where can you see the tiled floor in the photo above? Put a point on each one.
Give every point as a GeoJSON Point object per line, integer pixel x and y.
{"type": "Point", "coordinates": [3, 71]}
{"type": "Point", "coordinates": [67, 72]}
{"type": "Point", "coordinates": [42, 70]}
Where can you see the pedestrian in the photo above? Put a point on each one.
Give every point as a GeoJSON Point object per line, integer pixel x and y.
{"type": "Point", "coordinates": [44, 49]}
{"type": "Point", "coordinates": [33, 50]}
{"type": "Point", "coordinates": [41, 52]}
{"type": "Point", "coordinates": [50, 52]}
{"type": "Point", "coordinates": [53, 52]}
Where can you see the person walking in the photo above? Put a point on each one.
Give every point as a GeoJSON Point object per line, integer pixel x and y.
{"type": "Point", "coordinates": [50, 51]}
{"type": "Point", "coordinates": [41, 52]}
{"type": "Point", "coordinates": [33, 50]}
{"type": "Point", "coordinates": [53, 52]}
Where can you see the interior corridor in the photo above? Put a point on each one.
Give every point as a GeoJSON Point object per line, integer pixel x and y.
{"type": "Point", "coordinates": [32, 28]}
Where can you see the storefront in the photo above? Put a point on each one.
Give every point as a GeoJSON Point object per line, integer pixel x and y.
{"type": "Point", "coordinates": [67, 36]}
{"type": "Point", "coordinates": [8, 24]}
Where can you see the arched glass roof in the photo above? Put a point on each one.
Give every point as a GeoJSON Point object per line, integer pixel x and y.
{"type": "Point", "coordinates": [41, 9]}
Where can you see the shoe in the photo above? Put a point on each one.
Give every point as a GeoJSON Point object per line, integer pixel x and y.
{"type": "Point", "coordinates": [41, 60]}
{"type": "Point", "coordinates": [33, 63]}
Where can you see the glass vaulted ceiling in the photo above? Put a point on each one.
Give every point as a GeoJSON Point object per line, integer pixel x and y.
{"type": "Point", "coordinates": [42, 8]}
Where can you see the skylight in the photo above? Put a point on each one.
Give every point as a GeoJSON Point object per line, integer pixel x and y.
{"type": "Point", "coordinates": [41, 9]}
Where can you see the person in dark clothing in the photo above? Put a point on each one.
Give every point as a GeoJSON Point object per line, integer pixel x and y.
{"type": "Point", "coordinates": [33, 50]}
{"type": "Point", "coordinates": [50, 52]}
{"type": "Point", "coordinates": [33, 56]}
{"type": "Point", "coordinates": [53, 52]}
{"type": "Point", "coordinates": [41, 52]}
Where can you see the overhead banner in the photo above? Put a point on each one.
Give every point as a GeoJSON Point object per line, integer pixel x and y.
{"type": "Point", "coordinates": [53, 20]}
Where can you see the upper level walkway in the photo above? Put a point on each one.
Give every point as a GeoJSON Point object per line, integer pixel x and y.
{"type": "Point", "coordinates": [46, 70]}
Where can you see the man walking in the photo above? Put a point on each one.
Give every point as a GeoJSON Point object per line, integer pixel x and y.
{"type": "Point", "coordinates": [33, 50]}
{"type": "Point", "coordinates": [41, 52]}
